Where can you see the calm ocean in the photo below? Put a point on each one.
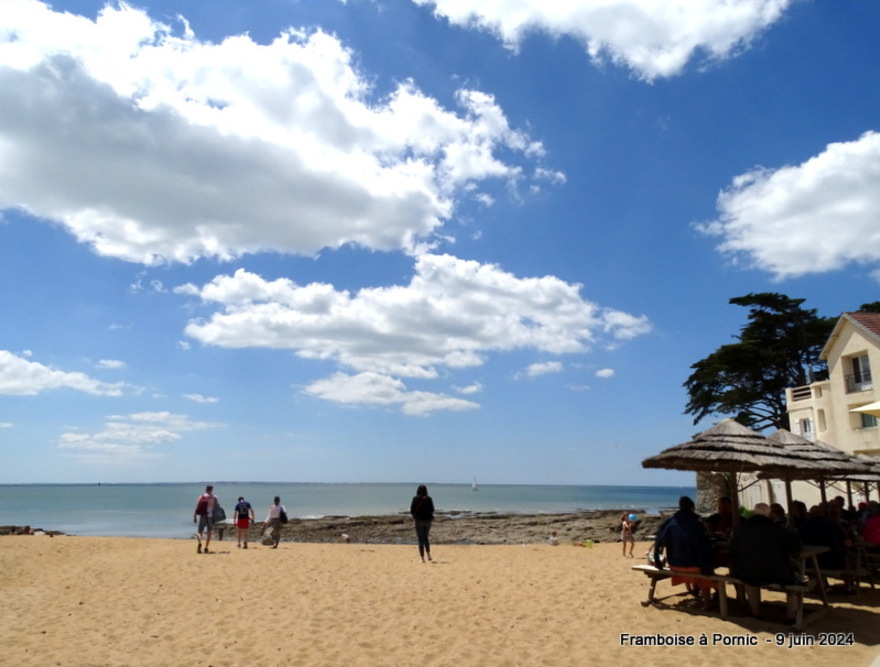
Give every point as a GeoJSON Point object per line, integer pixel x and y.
{"type": "Point", "coordinates": [165, 510]}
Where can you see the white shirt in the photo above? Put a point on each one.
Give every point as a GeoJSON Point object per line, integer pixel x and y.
{"type": "Point", "coordinates": [275, 512]}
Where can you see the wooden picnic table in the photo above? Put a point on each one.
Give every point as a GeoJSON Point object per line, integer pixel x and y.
{"type": "Point", "coordinates": [807, 567]}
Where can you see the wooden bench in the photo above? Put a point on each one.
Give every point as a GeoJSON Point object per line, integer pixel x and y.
{"type": "Point", "coordinates": [856, 575]}
{"type": "Point", "coordinates": [722, 580]}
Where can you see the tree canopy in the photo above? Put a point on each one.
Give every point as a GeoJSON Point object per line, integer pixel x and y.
{"type": "Point", "coordinates": [779, 347]}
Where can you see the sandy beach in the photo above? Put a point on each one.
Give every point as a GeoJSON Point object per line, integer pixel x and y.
{"type": "Point", "coordinates": [71, 600]}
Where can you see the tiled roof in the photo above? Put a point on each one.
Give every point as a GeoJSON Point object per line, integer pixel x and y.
{"type": "Point", "coordinates": [870, 322]}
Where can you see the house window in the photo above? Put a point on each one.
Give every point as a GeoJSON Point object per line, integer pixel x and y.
{"type": "Point", "coordinates": [805, 426]}
{"type": "Point", "coordinates": [868, 421]}
{"type": "Point", "coordinates": [860, 377]}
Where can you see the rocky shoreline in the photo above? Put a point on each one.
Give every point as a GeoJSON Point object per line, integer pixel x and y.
{"type": "Point", "coordinates": [27, 530]}
{"type": "Point", "coordinates": [465, 528]}
{"type": "Point", "coordinates": [597, 526]}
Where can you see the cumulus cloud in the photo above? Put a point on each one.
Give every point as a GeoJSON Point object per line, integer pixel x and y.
{"type": "Point", "coordinates": [21, 377]}
{"type": "Point", "coordinates": [543, 368]}
{"type": "Point", "coordinates": [450, 316]}
{"type": "Point", "coordinates": [110, 364]}
{"type": "Point", "coordinates": [130, 438]}
{"type": "Point", "coordinates": [378, 389]}
{"type": "Point", "coordinates": [154, 146]}
{"type": "Point", "coordinates": [654, 39]}
{"type": "Point", "coordinates": [605, 373]}
{"type": "Point", "coordinates": [199, 398]}
{"type": "Point", "coordinates": [467, 390]}
{"type": "Point", "coordinates": [813, 217]}
{"type": "Point", "coordinates": [452, 313]}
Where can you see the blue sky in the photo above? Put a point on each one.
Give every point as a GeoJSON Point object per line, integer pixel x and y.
{"type": "Point", "coordinates": [411, 240]}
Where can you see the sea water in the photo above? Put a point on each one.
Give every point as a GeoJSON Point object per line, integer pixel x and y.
{"type": "Point", "coordinates": [166, 510]}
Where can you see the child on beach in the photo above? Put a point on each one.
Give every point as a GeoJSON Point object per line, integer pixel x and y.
{"type": "Point", "coordinates": [244, 516]}
{"type": "Point", "coordinates": [626, 534]}
{"type": "Point", "coordinates": [553, 540]}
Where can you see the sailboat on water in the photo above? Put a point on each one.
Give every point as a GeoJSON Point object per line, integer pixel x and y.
{"type": "Point", "coordinates": [474, 485]}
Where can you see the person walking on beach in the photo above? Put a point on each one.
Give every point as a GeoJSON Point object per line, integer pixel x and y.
{"type": "Point", "coordinates": [204, 515]}
{"type": "Point", "coordinates": [422, 510]}
{"type": "Point", "coordinates": [244, 515]}
{"type": "Point", "coordinates": [276, 517]}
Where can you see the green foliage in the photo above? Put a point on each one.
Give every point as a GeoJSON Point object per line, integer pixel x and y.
{"type": "Point", "coordinates": [779, 347]}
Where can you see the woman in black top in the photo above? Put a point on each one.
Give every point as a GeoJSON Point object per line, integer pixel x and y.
{"type": "Point", "coordinates": [422, 510]}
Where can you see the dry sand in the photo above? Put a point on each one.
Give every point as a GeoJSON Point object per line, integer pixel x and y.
{"type": "Point", "coordinates": [113, 601]}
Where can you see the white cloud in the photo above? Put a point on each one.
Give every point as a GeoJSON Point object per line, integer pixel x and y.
{"type": "Point", "coordinates": [377, 389]}
{"type": "Point", "coordinates": [199, 398]}
{"type": "Point", "coordinates": [470, 389]}
{"type": "Point", "coordinates": [20, 377]}
{"type": "Point", "coordinates": [605, 373]}
{"type": "Point", "coordinates": [130, 438]}
{"type": "Point", "coordinates": [654, 39]}
{"type": "Point", "coordinates": [543, 368]}
{"type": "Point", "coordinates": [814, 217]}
{"type": "Point", "coordinates": [110, 364]}
{"type": "Point", "coordinates": [451, 314]}
{"type": "Point", "coordinates": [6, 424]}
{"type": "Point", "coordinates": [152, 145]}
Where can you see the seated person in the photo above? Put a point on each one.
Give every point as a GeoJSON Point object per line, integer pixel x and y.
{"type": "Point", "coordinates": [798, 514]}
{"type": "Point", "coordinates": [871, 529]}
{"type": "Point", "coordinates": [720, 524]}
{"type": "Point", "coordinates": [761, 553]}
{"type": "Point", "coordinates": [687, 547]}
{"type": "Point", "coordinates": [820, 531]}
{"type": "Point", "coordinates": [777, 514]}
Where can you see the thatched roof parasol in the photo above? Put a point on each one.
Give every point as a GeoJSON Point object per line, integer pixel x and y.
{"type": "Point", "coordinates": [819, 461]}
{"type": "Point", "coordinates": [730, 447]}
{"type": "Point", "coordinates": [832, 462]}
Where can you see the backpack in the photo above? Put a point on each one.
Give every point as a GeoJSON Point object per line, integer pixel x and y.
{"type": "Point", "coordinates": [219, 513]}
{"type": "Point", "coordinates": [202, 507]}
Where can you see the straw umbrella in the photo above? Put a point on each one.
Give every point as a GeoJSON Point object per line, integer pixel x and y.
{"type": "Point", "coordinates": [730, 448]}
{"type": "Point", "coordinates": [823, 463]}
{"type": "Point", "coordinates": [870, 476]}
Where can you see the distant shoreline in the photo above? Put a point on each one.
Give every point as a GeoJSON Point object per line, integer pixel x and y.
{"type": "Point", "coordinates": [449, 527]}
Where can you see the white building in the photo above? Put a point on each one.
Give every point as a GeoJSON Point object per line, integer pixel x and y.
{"type": "Point", "coordinates": [822, 411]}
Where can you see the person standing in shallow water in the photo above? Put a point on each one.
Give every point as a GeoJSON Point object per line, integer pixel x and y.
{"type": "Point", "coordinates": [422, 510]}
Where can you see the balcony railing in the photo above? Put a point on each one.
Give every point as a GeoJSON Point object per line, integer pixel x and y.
{"type": "Point", "coordinates": [858, 382]}
{"type": "Point", "coordinates": [803, 393]}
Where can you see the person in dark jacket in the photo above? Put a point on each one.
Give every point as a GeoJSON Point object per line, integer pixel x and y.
{"type": "Point", "coordinates": [818, 530]}
{"type": "Point", "coordinates": [422, 511]}
{"type": "Point", "coordinates": [761, 553]}
{"type": "Point", "coordinates": [688, 550]}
